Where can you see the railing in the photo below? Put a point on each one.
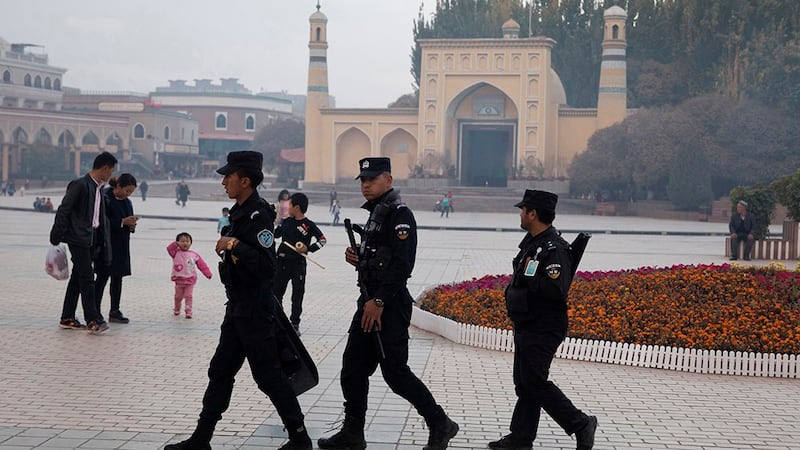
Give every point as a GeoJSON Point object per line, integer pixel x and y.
{"type": "Point", "coordinates": [657, 357]}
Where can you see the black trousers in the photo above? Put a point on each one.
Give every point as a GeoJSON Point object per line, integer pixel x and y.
{"type": "Point", "coordinates": [359, 362]}
{"type": "Point", "coordinates": [250, 336]}
{"type": "Point", "coordinates": [81, 283]}
{"type": "Point", "coordinates": [535, 346]}
{"type": "Point", "coordinates": [115, 289]}
{"type": "Point", "coordinates": [294, 270]}
{"type": "Point", "coordinates": [748, 246]}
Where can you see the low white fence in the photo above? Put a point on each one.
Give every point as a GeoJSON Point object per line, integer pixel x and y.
{"type": "Point", "coordinates": [659, 357]}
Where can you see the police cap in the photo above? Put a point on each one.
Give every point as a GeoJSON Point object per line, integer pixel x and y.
{"type": "Point", "coordinates": [541, 201]}
{"type": "Point", "coordinates": [242, 160]}
{"type": "Point", "coordinates": [372, 167]}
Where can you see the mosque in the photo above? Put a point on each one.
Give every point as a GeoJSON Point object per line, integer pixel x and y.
{"type": "Point", "coordinates": [490, 111]}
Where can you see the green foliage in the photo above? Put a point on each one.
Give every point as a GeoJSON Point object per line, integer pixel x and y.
{"type": "Point", "coordinates": [743, 143]}
{"type": "Point", "coordinates": [689, 184]}
{"type": "Point", "coordinates": [406, 101]}
{"type": "Point", "coordinates": [760, 202]}
{"type": "Point", "coordinates": [677, 49]}
{"type": "Point", "coordinates": [787, 190]}
{"type": "Point", "coordinates": [42, 159]}
{"type": "Point", "coordinates": [273, 138]}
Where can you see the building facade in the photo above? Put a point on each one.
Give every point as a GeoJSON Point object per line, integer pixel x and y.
{"type": "Point", "coordinates": [489, 110]}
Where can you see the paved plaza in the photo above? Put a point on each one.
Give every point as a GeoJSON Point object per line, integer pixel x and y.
{"type": "Point", "coordinates": [139, 386]}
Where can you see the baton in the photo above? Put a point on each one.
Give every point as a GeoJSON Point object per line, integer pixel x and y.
{"type": "Point", "coordinates": [305, 256]}
{"type": "Point", "coordinates": [348, 226]}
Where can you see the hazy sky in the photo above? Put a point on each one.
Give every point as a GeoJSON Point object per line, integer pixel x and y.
{"type": "Point", "coordinates": [137, 45]}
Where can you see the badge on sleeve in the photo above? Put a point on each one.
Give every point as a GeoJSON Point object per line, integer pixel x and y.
{"type": "Point", "coordinates": [530, 268]}
{"type": "Point", "coordinates": [402, 230]}
{"type": "Point", "coordinates": [553, 271]}
{"type": "Point", "coordinates": [265, 238]}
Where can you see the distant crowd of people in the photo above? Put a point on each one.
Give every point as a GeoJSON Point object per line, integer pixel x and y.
{"type": "Point", "coordinates": [43, 204]}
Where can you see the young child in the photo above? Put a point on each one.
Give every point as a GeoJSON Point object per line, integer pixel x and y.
{"type": "Point", "coordinates": [185, 263]}
{"type": "Point", "coordinates": [224, 221]}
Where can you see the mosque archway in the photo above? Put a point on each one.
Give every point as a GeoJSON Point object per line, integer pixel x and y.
{"type": "Point", "coordinates": [401, 147]}
{"type": "Point", "coordinates": [481, 126]}
{"type": "Point", "coordinates": [351, 146]}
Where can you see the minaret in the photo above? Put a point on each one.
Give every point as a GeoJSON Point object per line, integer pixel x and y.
{"type": "Point", "coordinates": [612, 99]}
{"type": "Point", "coordinates": [317, 94]}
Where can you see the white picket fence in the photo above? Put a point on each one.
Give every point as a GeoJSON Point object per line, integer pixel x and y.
{"type": "Point", "coordinates": [659, 357]}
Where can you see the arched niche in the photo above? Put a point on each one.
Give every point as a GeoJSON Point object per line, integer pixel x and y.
{"type": "Point", "coordinates": [401, 146]}
{"type": "Point", "coordinates": [352, 145]}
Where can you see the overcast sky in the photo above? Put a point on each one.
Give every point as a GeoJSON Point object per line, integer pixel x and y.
{"type": "Point", "coordinates": [137, 45]}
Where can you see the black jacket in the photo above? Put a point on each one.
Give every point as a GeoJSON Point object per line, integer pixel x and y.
{"type": "Point", "coordinates": [116, 210]}
{"type": "Point", "coordinates": [742, 226]}
{"type": "Point", "coordinates": [541, 279]}
{"type": "Point", "coordinates": [248, 270]}
{"type": "Point", "coordinates": [73, 222]}
{"type": "Point", "coordinates": [293, 231]}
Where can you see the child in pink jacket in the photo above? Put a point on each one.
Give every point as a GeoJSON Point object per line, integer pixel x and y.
{"type": "Point", "coordinates": [185, 263]}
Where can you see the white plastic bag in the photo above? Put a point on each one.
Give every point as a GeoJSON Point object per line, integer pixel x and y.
{"type": "Point", "coordinates": [56, 264]}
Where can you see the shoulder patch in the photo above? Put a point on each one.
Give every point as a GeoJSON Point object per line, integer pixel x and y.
{"type": "Point", "coordinates": [254, 214]}
{"type": "Point", "coordinates": [401, 230]}
{"type": "Point", "coordinates": [551, 245]}
{"type": "Point", "coordinates": [266, 238]}
{"type": "Point", "coordinates": [553, 271]}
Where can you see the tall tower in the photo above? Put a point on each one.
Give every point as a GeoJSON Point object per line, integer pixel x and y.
{"type": "Point", "coordinates": [612, 100]}
{"type": "Point", "coordinates": [317, 94]}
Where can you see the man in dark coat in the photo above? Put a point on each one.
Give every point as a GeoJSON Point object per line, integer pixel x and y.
{"type": "Point", "coordinates": [536, 300]}
{"type": "Point", "coordinates": [385, 260]}
{"type": "Point", "coordinates": [742, 226]}
{"type": "Point", "coordinates": [248, 330]}
{"type": "Point", "coordinates": [81, 222]}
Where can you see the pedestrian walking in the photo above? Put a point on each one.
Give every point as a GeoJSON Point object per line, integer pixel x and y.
{"type": "Point", "coordinates": [385, 260]}
{"type": "Point", "coordinates": [143, 188]}
{"type": "Point", "coordinates": [296, 232]}
{"type": "Point", "coordinates": [122, 223]}
{"type": "Point", "coordinates": [82, 223]}
{"type": "Point", "coordinates": [336, 211]}
{"type": "Point", "coordinates": [248, 329]}
{"type": "Point", "coordinates": [536, 300]}
{"type": "Point", "coordinates": [185, 263]}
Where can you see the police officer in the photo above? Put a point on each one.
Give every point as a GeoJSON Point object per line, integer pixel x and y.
{"type": "Point", "coordinates": [385, 260]}
{"type": "Point", "coordinates": [536, 300]}
{"type": "Point", "coordinates": [248, 331]}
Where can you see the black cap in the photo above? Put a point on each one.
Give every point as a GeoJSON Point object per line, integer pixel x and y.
{"type": "Point", "coordinates": [372, 167]}
{"type": "Point", "coordinates": [242, 160]}
{"type": "Point", "coordinates": [541, 201]}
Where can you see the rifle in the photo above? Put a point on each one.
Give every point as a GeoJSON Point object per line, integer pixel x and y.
{"type": "Point", "coordinates": [577, 248]}
{"type": "Point", "coordinates": [348, 226]}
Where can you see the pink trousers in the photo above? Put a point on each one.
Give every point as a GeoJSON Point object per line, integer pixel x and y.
{"type": "Point", "coordinates": [183, 291]}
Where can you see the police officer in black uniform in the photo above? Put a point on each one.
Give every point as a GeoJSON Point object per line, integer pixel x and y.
{"type": "Point", "coordinates": [385, 260]}
{"type": "Point", "coordinates": [248, 329]}
{"type": "Point", "coordinates": [536, 300]}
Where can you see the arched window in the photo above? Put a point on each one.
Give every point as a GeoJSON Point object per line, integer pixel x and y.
{"type": "Point", "coordinates": [221, 123]}
{"type": "Point", "coordinates": [319, 33]}
{"type": "Point", "coordinates": [6, 77]}
{"type": "Point", "coordinates": [250, 123]}
{"type": "Point", "coordinates": [37, 82]}
{"type": "Point", "coordinates": [615, 32]}
{"type": "Point", "coordinates": [138, 131]}
{"type": "Point", "coordinates": [57, 84]}
{"type": "Point", "coordinates": [47, 83]}
{"type": "Point", "coordinates": [166, 133]}
{"type": "Point", "coordinates": [27, 79]}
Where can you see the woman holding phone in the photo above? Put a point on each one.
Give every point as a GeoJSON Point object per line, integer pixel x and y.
{"type": "Point", "coordinates": [120, 216]}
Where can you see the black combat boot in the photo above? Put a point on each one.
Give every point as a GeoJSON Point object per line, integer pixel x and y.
{"type": "Point", "coordinates": [511, 442]}
{"type": "Point", "coordinates": [298, 439]}
{"type": "Point", "coordinates": [442, 429]}
{"type": "Point", "coordinates": [350, 437]}
{"type": "Point", "coordinates": [585, 436]}
{"type": "Point", "coordinates": [199, 440]}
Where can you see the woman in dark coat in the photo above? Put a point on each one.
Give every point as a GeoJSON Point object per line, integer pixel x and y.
{"type": "Point", "coordinates": [120, 216]}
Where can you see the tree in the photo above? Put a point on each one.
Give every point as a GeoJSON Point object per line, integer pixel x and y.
{"type": "Point", "coordinates": [276, 136]}
{"type": "Point", "coordinates": [406, 101]}
{"type": "Point", "coordinates": [787, 190]}
{"type": "Point", "coordinates": [689, 185]}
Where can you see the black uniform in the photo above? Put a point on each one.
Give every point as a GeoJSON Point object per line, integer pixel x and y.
{"type": "Point", "coordinates": [292, 265]}
{"type": "Point", "coordinates": [387, 254]}
{"type": "Point", "coordinates": [248, 329]}
{"type": "Point", "coordinates": [536, 300]}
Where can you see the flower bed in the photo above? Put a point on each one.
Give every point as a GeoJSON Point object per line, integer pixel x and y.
{"type": "Point", "coordinates": [719, 307]}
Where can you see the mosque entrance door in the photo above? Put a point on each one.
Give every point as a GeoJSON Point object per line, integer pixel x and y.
{"type": "Point", "coordinates": [486, 154]}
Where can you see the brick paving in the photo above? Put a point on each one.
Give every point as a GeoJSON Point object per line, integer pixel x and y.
{"type": "Point", "coordinates": [139, 386]}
